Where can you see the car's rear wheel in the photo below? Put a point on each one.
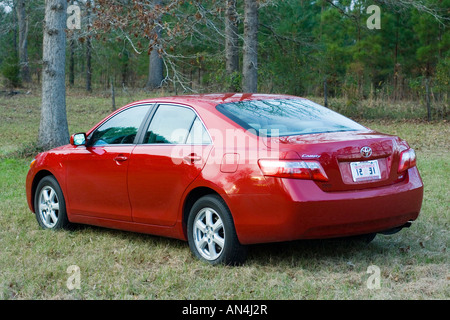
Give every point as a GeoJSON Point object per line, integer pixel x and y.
{"type": "Point", "coordinates": [211, 233]}
{"type": "Point", "coordinates": [49, 204]}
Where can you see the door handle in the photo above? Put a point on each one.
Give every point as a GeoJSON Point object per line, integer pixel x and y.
{"type": "Point", "coordinates": [121, 158]}
{"type": "Point", "coordinates": [192, 158]}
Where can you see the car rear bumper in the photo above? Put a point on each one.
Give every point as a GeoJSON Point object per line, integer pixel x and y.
{"type": "Point", "coordinates": [299, 209]}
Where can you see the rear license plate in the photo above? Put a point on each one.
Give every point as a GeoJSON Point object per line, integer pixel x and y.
{"type": "Point", "coordinates": [365, 170]}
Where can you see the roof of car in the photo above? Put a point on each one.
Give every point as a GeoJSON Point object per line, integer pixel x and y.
{"type": "Point", "coordinates": [203, 101]}
{"type": "Point", "coordinates": [217, 98]}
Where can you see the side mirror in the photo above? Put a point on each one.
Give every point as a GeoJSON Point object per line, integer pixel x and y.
{"type": "Point", "coordinates": [78, 139]}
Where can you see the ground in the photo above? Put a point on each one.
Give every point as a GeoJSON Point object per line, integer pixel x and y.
{"type": "Point", "coordinates": [35, 264]}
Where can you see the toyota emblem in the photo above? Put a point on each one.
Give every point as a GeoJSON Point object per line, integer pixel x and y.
{"type": "Point", "coordinates": [366, 152]}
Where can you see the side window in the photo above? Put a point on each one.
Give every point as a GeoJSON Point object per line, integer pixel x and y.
{"type": "Point", "coordinates": [170, 124]}
{"type": "Point", "coordinates": [198, 134]}
{"type": "Point", "coordinates": [120, 129]}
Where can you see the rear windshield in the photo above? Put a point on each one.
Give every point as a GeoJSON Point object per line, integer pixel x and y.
{"type": "Point", "coordinates": [286, 117]}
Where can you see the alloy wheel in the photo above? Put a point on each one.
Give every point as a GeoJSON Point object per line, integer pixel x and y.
{"type": "Point", "coordinates": [209, 233]}
{"type": "Point", "coordinates": [48, 206]}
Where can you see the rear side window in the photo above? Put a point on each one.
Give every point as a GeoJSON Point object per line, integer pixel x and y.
{"type": "Point", "coordinates": [285, 117]}
{"type": "Point", "coordinates": [170, 124]}
{"type": "Point", "coordinates": [198, 134]}
{"type": "Point", "coordinates": [121, 128]}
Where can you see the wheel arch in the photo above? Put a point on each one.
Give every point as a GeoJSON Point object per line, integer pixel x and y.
{"type": "Point", "coordinates": [189, 201]}
{"type": "Point", "coordinates": [233, 252]}
{"type": "Point", "coordinates": [37, 178]}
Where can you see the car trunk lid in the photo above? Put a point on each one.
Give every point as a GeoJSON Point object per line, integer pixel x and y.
{"type": "Point", "coordinates": [340, 154]}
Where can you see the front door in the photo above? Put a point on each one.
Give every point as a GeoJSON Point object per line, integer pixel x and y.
{"type": "Point", "coordinates": [97, 172]}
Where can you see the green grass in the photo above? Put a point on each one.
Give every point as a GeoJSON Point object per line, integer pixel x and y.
{"type": "Point", "coordinates": [114, 264]}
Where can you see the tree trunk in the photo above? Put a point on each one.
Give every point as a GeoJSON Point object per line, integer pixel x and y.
{"type": "Point", "coordinates": [427, 92]}
{"type": "Point", "coordinates": [125, 67]}
{"type": "Point", "coordinates": [155, 70]}
{"type": "Point", "coordinates": [113, 95]}
{"type": "Point", "coordinates": [88, 65]}
{"type": "Point", "coordinates": [53, 130]}
{"type": "Point", "coordinates": [72, 61]}
{"type": "Point", "coordinates": [22, 21]}
{"type": "Point", "coordinates": [88, 49]}
{"type": "Point", "coordinates": [72, 56]}
{"type": "Point", "coordinates": [156, 64]}
{"type": "Point", "coordinates": [232, 43]}
{"type": "Point", "coordinates": [14, 31]}
{"type": "Point", "coordinates": [250, 61]}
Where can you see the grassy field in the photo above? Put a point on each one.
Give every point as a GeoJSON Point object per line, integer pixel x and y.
{"type": "Point", "coordinates": [414, 263]}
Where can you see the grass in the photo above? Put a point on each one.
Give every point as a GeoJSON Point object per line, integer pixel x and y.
{"type": "Point", "coordinates": [414, 263]}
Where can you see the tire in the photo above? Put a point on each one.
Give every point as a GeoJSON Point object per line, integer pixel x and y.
{"type": "Point", "coordinates": [50, 206]}
{"type": "Point", "coordinates": [211, 233]}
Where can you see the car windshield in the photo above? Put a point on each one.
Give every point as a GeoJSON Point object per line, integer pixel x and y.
{"type": "Point", "coordinates": [286, 117]}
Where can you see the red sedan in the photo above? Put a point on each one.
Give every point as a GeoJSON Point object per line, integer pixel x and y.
{"type": "Point", "coordinates": [223, 171]}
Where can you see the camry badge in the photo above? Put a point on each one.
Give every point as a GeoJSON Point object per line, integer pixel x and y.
{"type": "Point", "coordinates": [366, 152]}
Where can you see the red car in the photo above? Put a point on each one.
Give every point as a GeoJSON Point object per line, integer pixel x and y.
{"type": "Point", "coordinates": [224, 171]}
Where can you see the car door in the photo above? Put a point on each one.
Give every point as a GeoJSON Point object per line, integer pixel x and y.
{"type": "Point", "coordinates": [173, 152]}
{"type": "Point", "coordinates": [97, 172]}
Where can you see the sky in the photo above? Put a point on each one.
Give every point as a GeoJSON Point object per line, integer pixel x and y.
{"type": "Point", "coordinates": [5, 7]}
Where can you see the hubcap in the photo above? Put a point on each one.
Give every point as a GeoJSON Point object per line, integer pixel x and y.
{"type": "Point", "coordinates": [48, 207]}
{"type": "Point", "coordinates": [209, 233]}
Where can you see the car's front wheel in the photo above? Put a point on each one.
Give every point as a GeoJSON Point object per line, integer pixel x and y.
{"type": "Point", "coordinates": [211, 232]}
{"type": "Point", "coordinates": [49, 204]}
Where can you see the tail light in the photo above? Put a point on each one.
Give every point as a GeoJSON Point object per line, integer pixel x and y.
{"type": "Point", "coordinates": [311, 170]}
{"type": "Point", "coordinates": [407, 160]}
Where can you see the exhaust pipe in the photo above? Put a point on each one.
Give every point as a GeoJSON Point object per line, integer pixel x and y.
{"type": "Point", "coordinates": [396, 229]}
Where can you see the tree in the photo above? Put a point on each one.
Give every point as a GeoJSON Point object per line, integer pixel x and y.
{"type": "Point", "coordinates": [71, 35]}
{"type": "Point", "coordinates": [88, 49]}
{"type": "Point", "coordinates": [53, 130]}
{"type": "Point", "coordinates": [231, 43]}
{"type": "Point", "coordinates": [72, 61]}
{"type": "Point", "coordinates": [22, 21]}
{"type": "Point", "coordinates": [250, 59]}
{"type": "Point", "coordinates": [142, 22]}
{"type": "Point", "coordinates": [155, 66]}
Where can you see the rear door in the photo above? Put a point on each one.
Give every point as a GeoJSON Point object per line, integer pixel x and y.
{"type": "Point", "coordinates": [97, 172]}
{"type": "Point", "coordinates": [173, 151]}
